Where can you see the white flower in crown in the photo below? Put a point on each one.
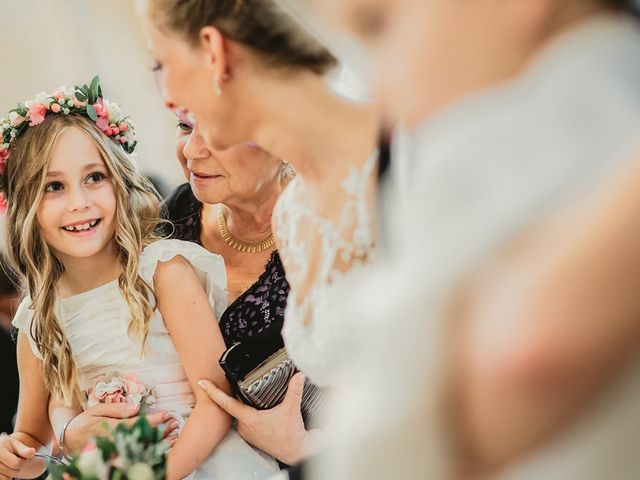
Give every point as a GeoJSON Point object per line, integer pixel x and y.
{"type": "Point", "coordinates": [115, 114]}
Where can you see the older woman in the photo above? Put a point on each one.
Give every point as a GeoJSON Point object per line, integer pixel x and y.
{"type": "Point", "coordinates": [226, 207]}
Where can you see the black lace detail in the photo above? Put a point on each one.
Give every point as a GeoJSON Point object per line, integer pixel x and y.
{"type": "Point", "coordinates": [260, 309]}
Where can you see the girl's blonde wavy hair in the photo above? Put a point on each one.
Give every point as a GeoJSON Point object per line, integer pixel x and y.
{"type": "Point", "coordinates": [36, 265]}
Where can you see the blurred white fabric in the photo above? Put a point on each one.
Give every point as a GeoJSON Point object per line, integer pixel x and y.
{"type": "Point", "coordinates": [481, 172]}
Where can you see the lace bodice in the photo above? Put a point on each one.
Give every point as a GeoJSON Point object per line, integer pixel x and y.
{"type": "Point", "coordinates": [321, 252]}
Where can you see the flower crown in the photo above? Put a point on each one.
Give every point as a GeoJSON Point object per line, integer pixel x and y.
{"type": "Point", "coordinates": [86, 100]}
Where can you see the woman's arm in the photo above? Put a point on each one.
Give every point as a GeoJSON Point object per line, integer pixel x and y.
{"type": "Point", "coordinates": [551, 322]}
{"type": "Point", "coordinates": [196, 335]}
{"type": "Point", "coordinates": [279, 431]}
{"type": "Point", "coordinates": [32, 431]}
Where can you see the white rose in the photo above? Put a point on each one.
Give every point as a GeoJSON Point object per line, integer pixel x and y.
{"type": "Point", "coordinates": [140, 471]}
{"type": "Point", "coordinates": [90, 463]}
{"type": "Point", "coordinates": [115, 114]}
{"type": "Point", "coordinates": [13, 116]}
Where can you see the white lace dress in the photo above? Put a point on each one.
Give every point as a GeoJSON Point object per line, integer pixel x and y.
{"type": "Point", "coordinates": [95, 323]}
{"type": "Point", "coordinates": [322, 255]}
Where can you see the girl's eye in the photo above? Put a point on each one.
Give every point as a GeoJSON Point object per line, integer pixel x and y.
{"type": "Point", "coordinates": [185, 127]}
{"type": "Point", "coordinates": [96, 177]}
{"type": "Point", "coordinates": [53, 187]}
{"type": "Point", "coordinates": [156, 67]}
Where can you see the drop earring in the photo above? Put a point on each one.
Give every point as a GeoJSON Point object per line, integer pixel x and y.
{"type": "Point", "coordinates": [216, 87]}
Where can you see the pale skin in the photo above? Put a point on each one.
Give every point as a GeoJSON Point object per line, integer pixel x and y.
{"type": "Point", "coordinates": [324, 133]}
{"type": "Point", "coordinates": [542, 327]}
{"type": "Point", "coordinates": [248, 195]}
{"type": "Point", "coordinates": [72, 193]}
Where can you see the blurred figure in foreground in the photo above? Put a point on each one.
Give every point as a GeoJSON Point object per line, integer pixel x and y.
{"type": "Point", "coordinates": [507, 308]}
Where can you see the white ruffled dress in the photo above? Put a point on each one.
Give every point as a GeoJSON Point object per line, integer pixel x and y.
{"type": "Point", "coordinates": [96, 322]}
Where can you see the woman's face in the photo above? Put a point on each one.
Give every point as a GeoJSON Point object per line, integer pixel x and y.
{"type": "Point", "coordinates": [240, 173]}
{"type": "Point", "coordinates": [428, 53]}
{"type": "Point", "coordinates": [185, 76]}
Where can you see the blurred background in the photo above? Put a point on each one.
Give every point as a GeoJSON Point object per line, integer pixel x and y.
{"type": "Point", "coordinates": [48, 43]}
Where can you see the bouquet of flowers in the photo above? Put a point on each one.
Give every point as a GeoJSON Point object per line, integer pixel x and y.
{"type": "Point", "coordinates": [135, 452]}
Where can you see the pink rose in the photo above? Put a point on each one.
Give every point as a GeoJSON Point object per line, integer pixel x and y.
{"type": "Point", "coordinates": [36, 114]}
{"type": "Point", "coordinates": [115, 129]}
{"type": "Point", "coordinates": [3, 204]}
{"type": "Point", "coordinates": [122, 140]}
{"type": "Point", "coordinates": [101, 109]}
{"type": "Point", "coordinates": [102, 123]}
{"type": "Point", "coordinates": [55, 108]}
{"type": "Point", "coordinates": [123, 127]}
{"type": "Point", "coordinates": [113, 391]}
{"type": "Point", "coordinates": [133, 385]}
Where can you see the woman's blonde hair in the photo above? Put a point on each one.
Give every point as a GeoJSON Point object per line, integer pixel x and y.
{"type": "Point", "coordinates": [38, 268]}
{"type": "Point", "coordinates": [261, 25]}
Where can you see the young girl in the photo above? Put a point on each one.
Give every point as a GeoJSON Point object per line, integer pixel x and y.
{"type": "Point", "coordinates": [109, 308]}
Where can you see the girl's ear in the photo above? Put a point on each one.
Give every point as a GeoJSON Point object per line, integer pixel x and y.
{"type": "Point", "coordinates": [215, 46]}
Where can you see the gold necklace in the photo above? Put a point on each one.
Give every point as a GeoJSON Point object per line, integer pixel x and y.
{"type": "Point", "coordinates": [236, 243]}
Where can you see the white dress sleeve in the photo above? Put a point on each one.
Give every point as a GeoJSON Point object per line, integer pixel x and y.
{"type": "Point", "coordinates": [208, 267]}
{"type": "Point", "coordinates": [22, 321]}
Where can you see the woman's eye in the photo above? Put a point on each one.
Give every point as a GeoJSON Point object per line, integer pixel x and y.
{"type": "Point", "coordinates": [96, 177]}
{"type": "Point", "coordinates": [156, 66]}
{"type": "Point", "coordinates": [185, 127]}
{"type": "Point", "coordinates": [370, 22]}
{"type": "Point", "coordinates": [53, 187]}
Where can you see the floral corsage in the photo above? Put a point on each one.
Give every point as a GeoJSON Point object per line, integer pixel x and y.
{"type": "Point", "coordinates": [115, 388]}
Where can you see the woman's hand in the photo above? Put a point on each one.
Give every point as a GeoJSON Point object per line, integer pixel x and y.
{"type": "Point", "coordinates": [279, 431]}
{"type": "Point", "coordinates": [99, 419]}
{"type": "Point", "coordinates": [14, 456]}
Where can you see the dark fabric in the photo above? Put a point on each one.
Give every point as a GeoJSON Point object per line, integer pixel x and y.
{"type": "Point", "coordinates": [260, 309]}
{"type": "Point", "coordinates": [9, 381]}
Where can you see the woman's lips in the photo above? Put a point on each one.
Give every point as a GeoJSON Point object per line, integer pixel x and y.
{"type": "Point", "coordinates": [198, 177]}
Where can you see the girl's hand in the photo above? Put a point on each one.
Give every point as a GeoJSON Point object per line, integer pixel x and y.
{"type": "Point", "coordinates": [279, 431]}
{"type": "Point", "coordinates": [99, 419]}
{"type": "Point", "coordinates": [14, 456]}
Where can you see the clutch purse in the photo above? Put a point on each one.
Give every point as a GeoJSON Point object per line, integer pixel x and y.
{"type": "Point", "coordinates": [260, 370]}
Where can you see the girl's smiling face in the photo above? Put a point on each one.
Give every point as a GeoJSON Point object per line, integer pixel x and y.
{"type": "Point", "coordinates": [77, 212]}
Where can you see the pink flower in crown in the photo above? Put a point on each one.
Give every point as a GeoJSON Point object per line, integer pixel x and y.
{"type": "Point", "coordinates": [36, 114]}
{"type": "Point", "coordinates": [4, 155]}
{"type": "Point", "coordinates": [101, 108]}
{"type": "Point", "coordinates": [3, 204]}
{"type": "Point", "coordinates": [102, 123]}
